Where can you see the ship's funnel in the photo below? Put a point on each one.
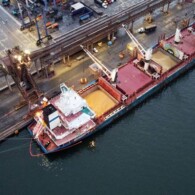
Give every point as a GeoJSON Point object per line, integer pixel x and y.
{"type": "Point", "coordinates": [177, 36]}
{"type": "Point", "coordinates": [148, 57]}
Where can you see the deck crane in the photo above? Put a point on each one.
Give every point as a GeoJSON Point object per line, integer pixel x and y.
{"type": "Point", "coordinates": [110, 74]}
{"type": "Point", "coordinates": [146, 53]}
{"type": "Point", "coordinates": [178, 36]}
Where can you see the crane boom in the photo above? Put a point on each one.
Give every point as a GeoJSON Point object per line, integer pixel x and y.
{"type": "Point", "coordinates": [146, 53]}
{"type": "Point", "coordinates": [101, 66]}
{"type": "Point", "coordinates": [135, 41]}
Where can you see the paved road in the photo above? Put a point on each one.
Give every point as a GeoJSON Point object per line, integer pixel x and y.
{"type": "Point", "coordinates": [166, 23]}
{"type": "Point", "coordinates": [10, 35]}
{"type": "Point", "coordinates": [68, 23]}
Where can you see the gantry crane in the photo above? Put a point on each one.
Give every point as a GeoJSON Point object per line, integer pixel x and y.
{"type": "Point", "coordinates": [147, 54]}
{"type": "Point", "coordinates": [18, 70]}
{"type": "Point", "coordinates": [22, 6]}
{"type": "Point", "coordinates": [178, 36]}
{"type": "Point", "coordinates": [112, 75]}
{"type": "Point", "coordinates": [44, 21]}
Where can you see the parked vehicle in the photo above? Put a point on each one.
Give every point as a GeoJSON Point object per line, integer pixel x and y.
{"type": "Point", "coordinates": [28, 25]}
{"type": "Point", "coordinates": [84, 18]}
{"type": "Point", "coordinates": [5, 2]}
{"type": "Point", "coordinates": [39, 17]}
{"type": "Point", "coordinates": [95, 50]}
{"type": "Point", "coordinates": [76, 9]}
{"type": "Point", "coordinates": [110, 1]}
{"type": "Point", "coordinates": [84, 12]}
{"type": "Point", "coordinates": [50, 25]}
{"type": "Point", "coordinates": [147, 29]}
{"type": "Point", "coordinates": [101, 3]}
{"type": "Point", "coordinates": [104, 3]}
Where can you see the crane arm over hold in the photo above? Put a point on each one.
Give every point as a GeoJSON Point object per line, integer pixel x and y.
{"type": "Point", "coordinates": [135, 41]}
{"type": "Point", "coordinates": [101, 66]}
{"type": "Point", "coordinates": [146, 53]}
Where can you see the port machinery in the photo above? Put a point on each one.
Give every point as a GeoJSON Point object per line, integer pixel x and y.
{"type": "Point", "coordinates": [39, 13]}
{"type": "Point", "coordinates": [147, 54]}
{"type": "Point", "coordinates": [17, 63]}
{"type": "Point", "coordinates": [70, 42]}
{"type": "Point", "coordinates": [112, 75]}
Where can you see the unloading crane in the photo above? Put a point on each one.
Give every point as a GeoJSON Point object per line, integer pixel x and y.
{"type": "Point", "coordinates": [178, 36]}
{"type": "Point", "coordinates": [146, 53]}
{"type": "Point", "coordinates": [110, 74]}
{"type": "Point", "coordinates": [18, 63]}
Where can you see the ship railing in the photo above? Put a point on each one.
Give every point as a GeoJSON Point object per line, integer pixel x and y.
{"type": "Point", "coordinates": [50, 133]}
{"type": "Point", "coordinates": [124, 97]}
{"type": "Point", "coordinates": [102, 117]}
{"type": "Point", "coordinates": [135, 95]}
{"type": "Point", "coordinates": [182, 63]}
{"type": "Point", "coordinates": [131, 98]}
{"type": "Point", "coordinates": [113, 111]}
{"type": "Point", "coordinates": [81, 91]}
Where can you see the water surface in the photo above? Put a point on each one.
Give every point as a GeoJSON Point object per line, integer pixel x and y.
{"type": "Point", "coordinates": [150, 150]}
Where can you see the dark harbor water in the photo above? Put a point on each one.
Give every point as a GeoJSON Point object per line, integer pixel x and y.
{"type": "Point", "coordinates": [150, 150]}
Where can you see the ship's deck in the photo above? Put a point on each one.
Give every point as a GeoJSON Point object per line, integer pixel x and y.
{"type": "Point", "coordinates": [187, 42]}
{"type": "Point", "coordinates": [72, 116]}
{"type": "Point", "coordinates": [99, 101]}
{"type": "Point", "coordinates": [131, 79]}
{"type": "Point", "coordinates": [165, 60]}
{"type": "Point", "coordinates": [72, 135]}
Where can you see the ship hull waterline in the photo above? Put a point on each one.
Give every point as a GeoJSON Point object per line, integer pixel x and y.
{"type": "Point", "coordinates": [124, 110]}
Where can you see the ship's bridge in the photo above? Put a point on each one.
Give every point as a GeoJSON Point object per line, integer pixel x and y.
{"type": "Point", "coordinates": [73, 109]}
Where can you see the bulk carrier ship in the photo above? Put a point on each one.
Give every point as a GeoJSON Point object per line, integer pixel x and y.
{"type": "Point", "coordinates": [71, 116]}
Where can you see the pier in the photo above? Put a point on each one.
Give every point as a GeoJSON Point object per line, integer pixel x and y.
{"type": "Point", "coordinates": [14, 129]}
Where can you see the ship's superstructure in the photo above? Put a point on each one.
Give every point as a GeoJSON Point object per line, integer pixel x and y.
{"type": "Point", "coordinates": [63, 119]}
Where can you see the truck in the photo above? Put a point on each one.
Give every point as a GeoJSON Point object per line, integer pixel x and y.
{"type": "Point", "coordinates": [147, 29]}
{"type": "Point", "coordinates": [83, 11]}
{"type": "Point", "coordinates": [79, 9]}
